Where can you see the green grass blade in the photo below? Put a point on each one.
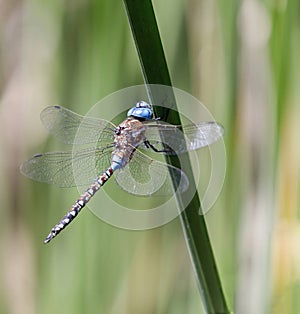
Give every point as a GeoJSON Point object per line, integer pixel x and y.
{"type": "Point", "coordinates": [155, 71]}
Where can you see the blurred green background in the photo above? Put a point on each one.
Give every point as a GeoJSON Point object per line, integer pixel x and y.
{"type": "Point", "coordinates": [241, 59]}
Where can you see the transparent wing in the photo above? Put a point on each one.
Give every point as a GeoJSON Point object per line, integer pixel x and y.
{"type": "Point", "coordinates": [194, 136]}
{"type": "Point", "coordinates": [59, 167]}
{"type": "Point", "coordinates": [146, 177]}
{"type": "Point", "coordinates": [64, 124]}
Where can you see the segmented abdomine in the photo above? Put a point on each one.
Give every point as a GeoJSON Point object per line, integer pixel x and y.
{"type": "Point", "coordinates": [79, 204]}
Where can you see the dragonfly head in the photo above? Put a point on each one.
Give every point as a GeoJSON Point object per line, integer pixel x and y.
{"type": "Point", "coordinates": [141, 110]}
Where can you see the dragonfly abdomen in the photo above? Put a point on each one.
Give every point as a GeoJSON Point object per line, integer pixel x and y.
{"type": "Point", "coordinates": [79, 204]}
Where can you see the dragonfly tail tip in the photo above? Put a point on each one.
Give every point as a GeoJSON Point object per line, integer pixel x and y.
{"type": "Point", "coordinates": [49, 238]}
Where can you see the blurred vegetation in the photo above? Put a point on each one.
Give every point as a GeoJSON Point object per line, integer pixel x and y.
{"type": "Point", "coordinates": [241, 60]}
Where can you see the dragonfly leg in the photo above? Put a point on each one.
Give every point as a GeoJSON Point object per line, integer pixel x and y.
{"type": "Point", "coordinates": [166, 151]}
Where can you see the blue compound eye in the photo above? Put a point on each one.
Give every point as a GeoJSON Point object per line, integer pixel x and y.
{"type": "Point", "coordinates": [141, 110]}
{"type": "Point", "coordinates": [142, 104]}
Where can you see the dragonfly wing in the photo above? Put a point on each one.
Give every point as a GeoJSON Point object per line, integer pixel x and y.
{"type": "Point", "coordinates": [67, 169]}
{"type": "Point", "coordinates": [194, 136]}
{"type": "Point", "coordinates": [65, 124]}
{"type": "Point", "coordinates": [145, 176]}
{"type": "Point", "coordinates": [203, 134]}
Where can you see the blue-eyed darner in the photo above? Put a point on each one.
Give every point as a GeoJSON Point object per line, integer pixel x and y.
{"type": "Point", "coordinates": [116, 149]}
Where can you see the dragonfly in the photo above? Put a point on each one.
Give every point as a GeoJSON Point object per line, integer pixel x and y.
{"type": "Point", "coordinates": [106, 149]}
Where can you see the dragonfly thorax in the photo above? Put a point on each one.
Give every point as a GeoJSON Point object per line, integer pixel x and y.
{"type": "Point", "coordinates": [129, 132]}
{"type": "Point", "coordinates": [128, 136]}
